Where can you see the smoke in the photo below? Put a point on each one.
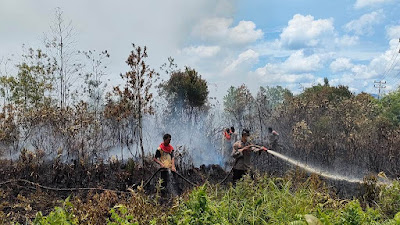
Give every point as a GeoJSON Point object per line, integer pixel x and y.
{"type": "Point", "coordinates": [195, 135]}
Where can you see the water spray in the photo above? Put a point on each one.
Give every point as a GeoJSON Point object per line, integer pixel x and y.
{"type": "Point", "coordinates": [320, 172]}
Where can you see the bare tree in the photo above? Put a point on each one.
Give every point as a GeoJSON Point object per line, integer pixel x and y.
{"type": "Point", "coordinates": [136, 97]}
{"type": "Point", "coordinates": [60, 42]}
{"type": "Point", "coordinates": [93, 89]}
{"type": "Point", "coordinates": [94, 86]}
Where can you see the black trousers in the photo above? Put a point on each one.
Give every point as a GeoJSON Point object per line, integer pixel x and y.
{"type": "Point", "coordinates": [164, 177]}
{"type": "Point", "coordinates": [237, 174]}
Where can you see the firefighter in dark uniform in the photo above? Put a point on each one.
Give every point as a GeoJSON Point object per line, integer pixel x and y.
{"type": "Point", "coordinates": [242, 150]}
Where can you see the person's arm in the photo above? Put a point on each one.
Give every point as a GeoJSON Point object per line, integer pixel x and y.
{"type": "Point", "coordinates": [156, 158]}
{"type": "Point", "coordinates": [237, 150]}
{"type": "Point", "coordinates": [257, 148]}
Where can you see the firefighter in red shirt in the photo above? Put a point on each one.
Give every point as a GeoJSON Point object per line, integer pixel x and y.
{"type": "Point", "coordinates": [165, 158]}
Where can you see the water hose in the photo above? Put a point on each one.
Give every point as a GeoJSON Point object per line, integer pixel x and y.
{"type": "Point", "coordinates": [179, 175]}
{"type": "Point", "coordinates": [184, 178]}
{"type": "Point", "coordinates": [148, 180]}
{"type": "Point", "coordinates": [226, 177]}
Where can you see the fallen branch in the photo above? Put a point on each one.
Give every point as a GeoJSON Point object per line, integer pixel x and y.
{"type": "Point", "coordinates": [37, 185]}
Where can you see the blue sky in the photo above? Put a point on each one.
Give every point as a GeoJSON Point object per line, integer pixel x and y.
{"type": "Point", "coordinates": [291, 43]}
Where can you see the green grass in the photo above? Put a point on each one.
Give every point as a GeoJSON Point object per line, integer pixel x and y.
{"type": "Point", "coordinates": [263, 200]}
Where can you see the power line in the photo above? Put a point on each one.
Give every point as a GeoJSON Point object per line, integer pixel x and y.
{"type": "Point", "coordinates": [393, 81]}
{"type": "Point", "coordinates": [395, 55]}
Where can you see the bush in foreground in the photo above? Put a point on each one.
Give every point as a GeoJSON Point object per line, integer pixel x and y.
{"type": "Point", "coordinates": [260, 201]}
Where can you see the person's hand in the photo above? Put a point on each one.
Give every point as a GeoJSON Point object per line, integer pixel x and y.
{"type": "Point", "coordinates": [246, 148]}
{"type": "Point", "coordinates": [162, 165]}
{"type": "Point", "coordinates": [242, 149]}
{"type": "Point", "coordinates": [173, 169]}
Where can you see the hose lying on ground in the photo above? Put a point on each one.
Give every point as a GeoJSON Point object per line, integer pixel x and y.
{"type": "Point", "coordinates": [179, 175]}
{"type": "Point", "coordinates": [148, 180]}
{"type": "Point", "coordinates": [184, 178]}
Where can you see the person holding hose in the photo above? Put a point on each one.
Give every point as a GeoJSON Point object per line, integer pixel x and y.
{"type": "Point", "coordinates": [165, 158]}
{"type": "Point", "coordinates": [241, 151]}
{"type": "Point", "coordinates": [273, 138]}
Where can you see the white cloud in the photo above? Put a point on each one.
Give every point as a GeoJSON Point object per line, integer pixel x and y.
{"type": "Point", "coordinates": [361, 76]}
{"type": "Point", "coordinates": [364, 24]}
{"type": "Point", "coordinates": [202, 51]}
{"type": "Point", "coordinates": [341, 64]}
{"type": "Point", "coordinates": [345, 67]}
{"type": "Point", "coordinates": [245, 32]}
{"type": "Point", "coordinates": [304, 31]}
{"type": "Point", "coordinates": [355, 84]}
{"type": "Point", "coordinates": [298, 63]}
{"type": "Point", "coordinates": [361, 71]}
{"type": "Point", "coordinates": [367, 3]}
{"type": "Point", "coordinates": [393, 32]}
{"type": "Point", "coordinates": [386, 64]}
{"type": "Point", "coordinates": [296, 68]}
{"type": "Point", "coordinates": [346, 41]}
{"type": "Point", "coordinates": [244, 60]}
{"type": "Point", "coordinates": [273, 74]}
{"type": "Point", "coordinates": [219, 30]}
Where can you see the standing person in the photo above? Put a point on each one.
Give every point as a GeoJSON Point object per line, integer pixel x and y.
{"type": "Point", "coordinates": [234, 135]}
{"type": "Point", "coordinates": [226, 146]}
{"type": "Point", "coordinates": [273, 138]}
{"type": "Point", "coordinates": [165, 158]}
{"type": "Point", "coordinates": [227, 134]}
{"type": "Point", "coordinates": [242, 153]}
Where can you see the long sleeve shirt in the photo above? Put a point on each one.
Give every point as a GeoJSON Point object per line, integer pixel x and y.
{"type": "Point", "coordinates": [243, 159]}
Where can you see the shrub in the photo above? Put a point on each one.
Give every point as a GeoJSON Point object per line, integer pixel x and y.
{"type": "Point", "coordinates": [389, 199]}
{"type": "Point", "coordinates": [59, 216]}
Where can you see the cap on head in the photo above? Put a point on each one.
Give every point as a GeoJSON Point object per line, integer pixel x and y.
{"type": "Point", "coordinates": [245, 132]}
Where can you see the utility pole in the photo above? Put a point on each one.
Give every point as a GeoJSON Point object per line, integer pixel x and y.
{"type": "Point", "coordinates": [380, 85]}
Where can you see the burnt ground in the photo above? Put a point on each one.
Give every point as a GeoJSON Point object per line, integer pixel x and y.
{"type": "Point", "coordinates": [20, 199]}
{"type": "Point", "coordinates": [29, 186]}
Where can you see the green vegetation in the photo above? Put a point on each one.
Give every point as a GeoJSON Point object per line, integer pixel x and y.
{"type": "Point", "coordinates": [261, 200]}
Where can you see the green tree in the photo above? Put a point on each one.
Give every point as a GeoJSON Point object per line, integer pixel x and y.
{"type": "Point", "coordinates": [238, 103]}
{"type": "Point", "coordinates": [267, 100]}
{"type": "Point", "coordinates": [390, 107]}
{"type": "Point", "coordinates": [185, 91]}
{"type": "Point", "coordinates": [271, 97]}
{"type": "Point", "coordinates": [33, 80]}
